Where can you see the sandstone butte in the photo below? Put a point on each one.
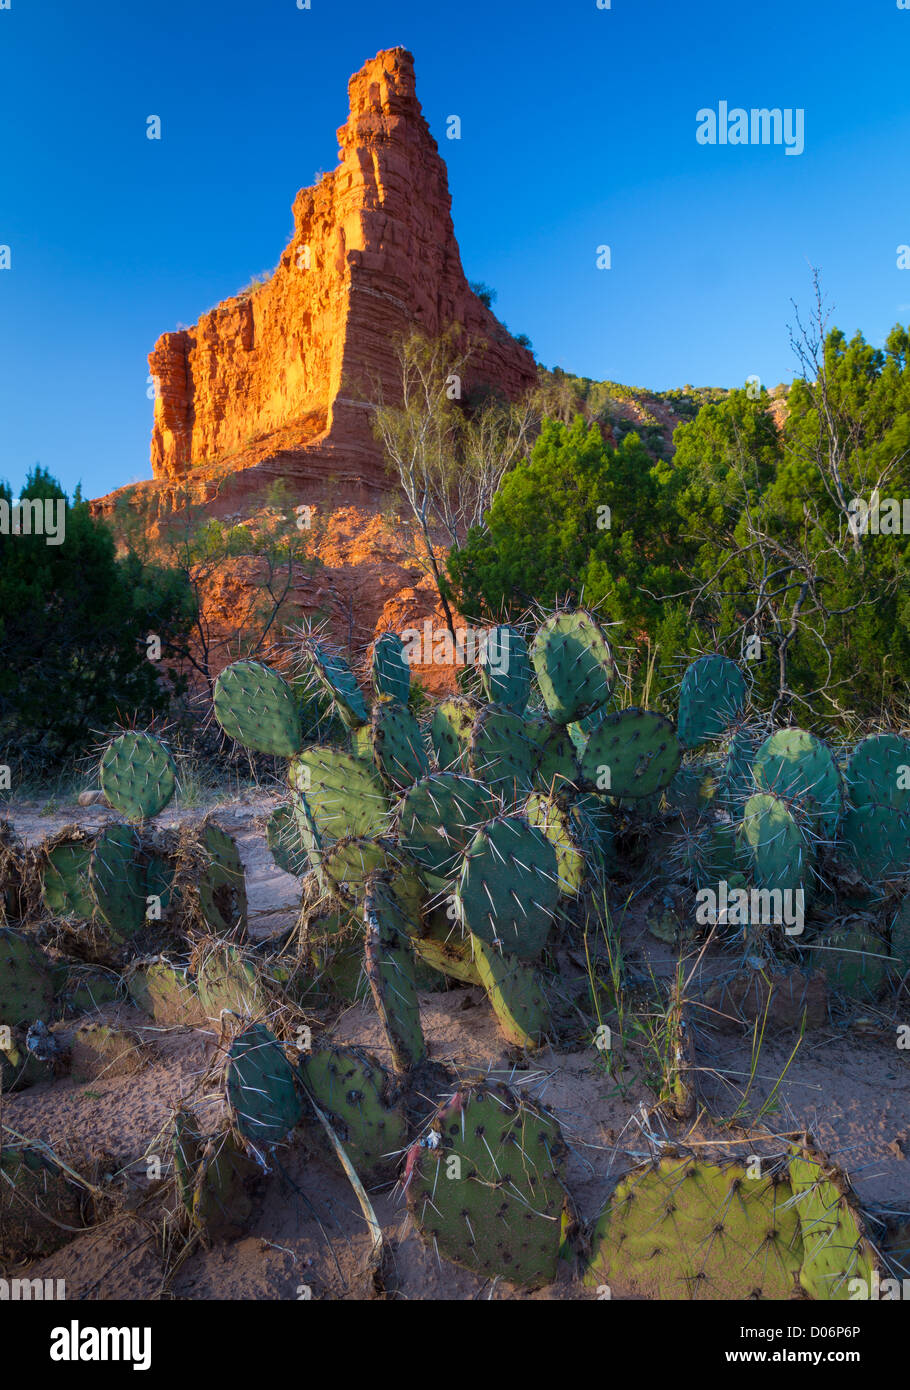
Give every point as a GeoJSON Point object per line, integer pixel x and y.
{"type": "Point", "coordinates": [280, 377]}
{"type": "Point", "coordinates": [276, 382]}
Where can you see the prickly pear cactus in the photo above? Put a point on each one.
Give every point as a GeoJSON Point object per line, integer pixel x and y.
{"type": "Point", "coordinates": [773, 845]}
{"type": "Point", "coordinates": [65, 875]}
{"type": "Point", "coordinates": [222, 885]}
{"type": "Point", "coordinates": [797, 766]}
{"type": "Point", "coordinates": [282, 833]}
{"type": "Point", "coordinates": [255, 706]}
{"type": "Point", "coordinates": [516, 993]}
{"type": "Point", "coordinates": [26, 984]}
{"type": "Point", "coordinates": [352, 1089]}
{"type": "Point", "coordinates": [555, 821]}
{"type": "Point", "coordinates": [343, 792]}
{"type": "Point", "coordinates": [878, 772]}
{"type": "Point", "coordinates": [875, 840]}
{"type": "Point", "coordinates": [392, 741]}
{"type": "Point", "coordinates": [345, 867]}
{"type": "Point", "coordinates": [165, 992]}
{"type": "Point", "coordinates": [854, 960]}
{"type": "Point", "coordinates": [632, 753]}
{"type": "Point", "coordinates": [40, 1205]}
{"type": "Point", "coordinates": [486, 1185]}
{"type": "Point", "coordinates": [330, 671]}
{"type": "Point", "coordinates": [138, 775]}
{"type": "Point", "coordinates": [835, 1247]}
{"type": "Point", "coordinates": [390, 672]}
{"type": "Point", "coordinates": [214, 1178]}
{"type": "Point", "coordinates": [556, 762]}
{"type": "Point", "coordinates": [501, 754]}
{"type": "Point", "coordinates": [230, 979]}
{"type": "Point", "coordinates": [390, 970]}
{"type": "Point", "coordinates": [687, 1229]}
{"type": "Point", "coordinates": [450, 732]}
{"type": "Point", "coordinates": [505, 670]}
{"type": "Point", "coordinates": [260, 1087]}
{"type": "Point", "coordinates": [509, 886]}
{"type": "Point", "coordinates": [437, 818]}
{"type": "Point", "coordinates": [711, 697]}
{"type": "Point", "coordinates": [574, 665]}
{"type": "Point", "coordinates": [118, 882]}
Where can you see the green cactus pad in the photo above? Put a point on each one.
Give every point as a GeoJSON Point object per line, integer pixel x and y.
{"type": "Point", "coordinates": [632, 753]}
{"type": "Point", "coordinates": [67, 890]}
{"type": "Point", "coordinates": [222, 886]}
{"type": "Point", "coordinates": [516, 994]}
{"type": "Point", "coordinates": [390, 969]}
{"type": "Point", "coordinates": [335, 953]}
{"type": "Point", "coordinates": [353, 1091]}
{"type": "Point", "coordinates": [392, 741]}
{"type": "Point", "coordinates": [574, 665]}
{"type": "Point", "coordinates": [26, 984]}
{"type": "Point", "coordinates": [556, 822]}
{"type": "Point", "coordinates": [118, 880]}
{"type": "Point", "coordinates": [165, 992]}
{"type": "Point", "coordinates": [835, 1247]}
{"type": "Point", "coordinates": [878, 772]}
{"type": "Point", "coordinates": [592, 821]}
{"type": "Point", "coordinates": [450, 732]}
{"type": "Point", "coordinates": [343, 792]}
{"type": "Point", "coordinates": [875, 840]}
{"type": "Point", "coordinates": [346, 866]}
{"type": "Point", "coordinates": [556, 763]}
{"type": "Point", "coordinates": [711, 697]}
{"type": "Point", "coordinates": [138, 775]}
{"type": "Point", "coordinates": [488, 1191]}
{"type": "Point", "coordinates": [509, 886]}
{"type": "Point", "coordinates": [505, 670]}
{"type": "Point", "coordinates": [449, 954]}
{"type": "Point", "coordinates": [390, 672]}
{"type": "Point", "coordinates": [735, 780]}
{"type": "Point", "coordinates": [692, 790]}
{"type": "Point", "coordinates": [501, 754]}
{"type": "Point", "coordinates": [40, 1206]}
{"type": "Point", "coordinates": [260, 1087]}
{"type": "Point", "coordinates": [256, 707]}
{"type": "Point", "coordinates": [854, 960]}
{"type": "Point", "coordinates": [214, 1177]}
{"type": "Point", "coordinates": [289, 851]}
{"type": "Point", "coordinates": [438, 817]}
{"type": "Point", "coordinates": [687, 1229]}
{"type": "Point", "coordinates": [796, 765]}
{"type": "Point", "coordinates": [334, 675]}
{"type": "Point", "coordinates": [773, 846]}
{"type": "Point", "coordinates": [84, 989]}
{"type": "Point", "coordinates": [229, 978]}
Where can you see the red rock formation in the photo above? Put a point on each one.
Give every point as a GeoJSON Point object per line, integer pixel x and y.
{"type": "Point", "coordinates": [278, 378]}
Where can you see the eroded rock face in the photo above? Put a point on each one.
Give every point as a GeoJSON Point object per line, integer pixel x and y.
{"type": "Point", "coordinates": [281, 374]}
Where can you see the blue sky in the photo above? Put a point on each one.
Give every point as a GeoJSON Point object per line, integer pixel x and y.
{"type": "Point", "coordinates": [578, 129]}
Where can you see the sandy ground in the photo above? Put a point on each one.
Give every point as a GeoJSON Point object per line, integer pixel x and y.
{"type": "Point", "coordinates": [848, 1084]}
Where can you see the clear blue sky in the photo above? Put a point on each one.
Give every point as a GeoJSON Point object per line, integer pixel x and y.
{"type": "Point", "coordinates": [578, 129]}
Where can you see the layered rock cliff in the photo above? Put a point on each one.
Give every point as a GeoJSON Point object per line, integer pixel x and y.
{"type": "Point", "coordinates": [279, 377]}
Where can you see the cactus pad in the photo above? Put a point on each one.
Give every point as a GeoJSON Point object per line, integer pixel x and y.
{"type": "Point", "coordinates": [632, 753]}
{"type": "Point", "coordinates": [118, 881]}
{"type": "Point", "coordinates": [488, 1191]}
{"type": "Point", "coordinates": [260, 1087]}
{"type": "Point", "coordinates": [390, 969]}
{"type": "Point", "coordinates": [711, 698]}
{"type": "Point", "coordinates": [438, 817]}
{"type": "Point", "coordinates": [138, 775]}
{"type": "Point", "coordinates": [878, 772]}
{"type": "Point", "coordinates": [574, 665]}
{"type": "Point", "coordinates": [505, 670]}
{"type": "Point", "coordinates": [67, 890]}
{"type": "Point", "coordinates": [282, 833]}
{"type": "Point", "coordinates": [343, 792]}
{"type": "Point", "coordinates": [352, 1089]}
{"type": "Point", "coordinates": [508, 887]}
{"type": "Point", "coordinates": [255, 706]}
{"type": "Point", "coordinates": [450, 731]}
{"type": "Point", "coordinates": [26, 984]}
{"type": "Point", "coordinates": [687, 1229]}
{"type": "Point", "coordinates": [390, 672]}
{"type": "Point", "coordinates": [835, 1247]}
{"type": "Point", "coordinates": [501, 754]}
{"type": "Point", "coordinates": [796, 765]}
{"type": "Point", "coordinates": [516, 994]}
{"type": "Point", "coordinates": [393, 742]}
